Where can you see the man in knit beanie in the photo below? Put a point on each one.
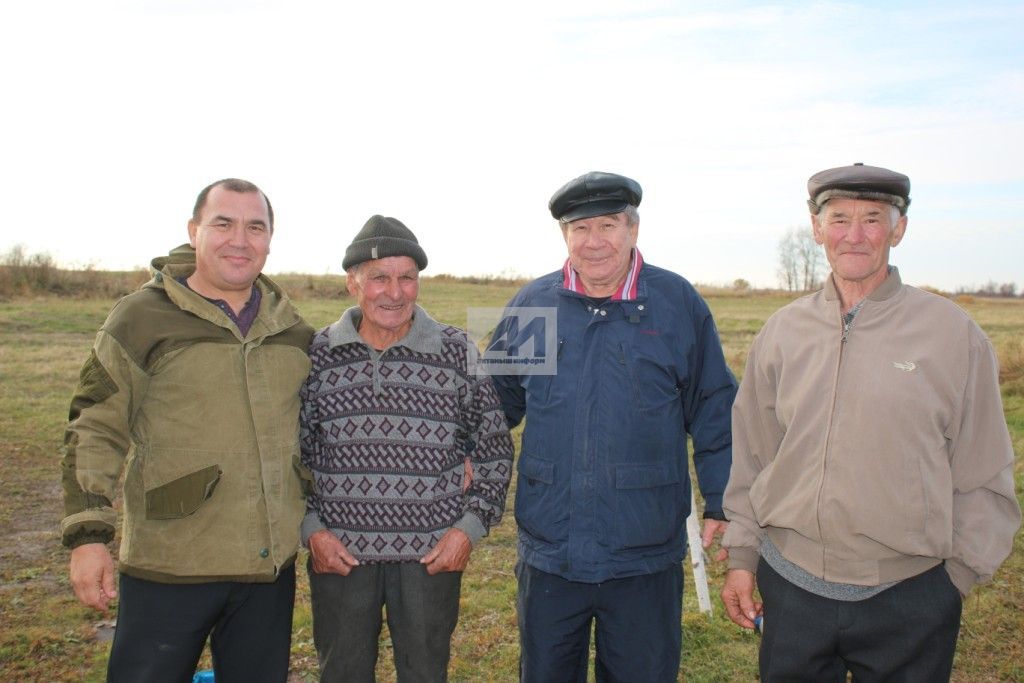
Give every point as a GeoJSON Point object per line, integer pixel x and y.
{"type": "Point", "coordinates": [391, 413]}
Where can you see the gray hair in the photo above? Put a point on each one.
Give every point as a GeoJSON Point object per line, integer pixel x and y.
{"type": "Point", "coordinates": [894, 212]}
{"type": "Point", "coordinates": [353, 271]}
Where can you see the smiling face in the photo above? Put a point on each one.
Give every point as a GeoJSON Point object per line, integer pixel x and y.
{"type": "Point", "coordinates": [857, 235]}
{"type": "Point", "coordinates": [385, 290]}
{"type": "Point", "coordinates": [232, 240]}
{"type": "Point", "coordinates": [600, 249]}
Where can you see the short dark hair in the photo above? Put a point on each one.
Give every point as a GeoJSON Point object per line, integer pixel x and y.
{"type": "Point", "coordinates": [234, 185]}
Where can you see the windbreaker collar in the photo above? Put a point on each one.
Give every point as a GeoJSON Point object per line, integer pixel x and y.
{"type": "Point", "coordinates": [889, 287]}
{"type": "Point", "coordinates": [627, 291]}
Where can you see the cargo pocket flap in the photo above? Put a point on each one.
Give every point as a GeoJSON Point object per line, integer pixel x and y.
{"type": "Point", "coordinates": [182, 496]}
{"type": "Point", "coordinates": [539, 470]}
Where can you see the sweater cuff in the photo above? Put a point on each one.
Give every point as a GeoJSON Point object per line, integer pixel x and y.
{"type": "Point", "coordinates": [743, 558]}
{"type": "Point", "coordinates": [471, 525]}
{"type": "Point", "coordinates": [961, 575]}
{"type": "Point", "coordinates": [311, 524]}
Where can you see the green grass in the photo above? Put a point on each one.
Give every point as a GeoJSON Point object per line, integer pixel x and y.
{"type": "Point", "coordinates": [46, 636]}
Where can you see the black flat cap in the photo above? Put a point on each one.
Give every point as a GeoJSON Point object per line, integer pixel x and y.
{"type": "Point", "coordinates": [859, 182]}
{"type": "Point", "coordinates": [594, 194]}
{"type": "Point", "coordinates": [383, 236]}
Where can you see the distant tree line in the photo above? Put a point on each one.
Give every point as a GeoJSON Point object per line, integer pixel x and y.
{"type": "Point", "coordinates": [801, 268]}
{"type": "Point", "coordinates": [1006, 290]}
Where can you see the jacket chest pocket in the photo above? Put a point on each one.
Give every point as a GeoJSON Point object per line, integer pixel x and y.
{"type": "Point", "coordinates": [538, 388]}
{"type": "Point", "coordinates": [652, 384]}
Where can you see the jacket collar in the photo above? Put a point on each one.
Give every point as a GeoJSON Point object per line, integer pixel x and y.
{"type": "Point", "coordinates": [889, 287]}
{"type": "Point", "coordinates": [627, 291]}
{"type": "Point", "coordinates": [423, 337]}
{"type": "Point", "coordinates": [276, 312]}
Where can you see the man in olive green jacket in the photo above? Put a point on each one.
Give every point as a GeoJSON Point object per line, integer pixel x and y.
{"type": "Point", "coordinates": [192, 386]}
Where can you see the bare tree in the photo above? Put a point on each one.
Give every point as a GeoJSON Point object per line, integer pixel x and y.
{"type": "Point", "coordinates": [788, 271]}
{"type": "Point", "coordinates": [801, 260]}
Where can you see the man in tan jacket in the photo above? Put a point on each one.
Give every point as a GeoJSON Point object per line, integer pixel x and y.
{"type": "Point", "coordinates": [192, 388]}
{"type": "Point", "coordinates": [872, 478]}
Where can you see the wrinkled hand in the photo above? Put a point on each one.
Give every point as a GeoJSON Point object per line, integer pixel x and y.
{"type": "Point", "coordinates": [738, 597]}
{"type": "Point", "coordinates": [712, 528]}
{"type": "Point", "coordinates": [467, 477]}
{"type": "Point", "coordinates": [330, 556]}
{"type": "Point", "coordinates": [92, 575]}
{"type": "Point", "coordinates": [451, 554]}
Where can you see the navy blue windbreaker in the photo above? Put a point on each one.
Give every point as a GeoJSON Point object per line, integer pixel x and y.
{"type": "Point", "coordinates": [603, 485]}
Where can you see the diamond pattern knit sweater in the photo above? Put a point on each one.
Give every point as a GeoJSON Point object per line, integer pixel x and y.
{"type": "Point", "coordinates": [385, 435]}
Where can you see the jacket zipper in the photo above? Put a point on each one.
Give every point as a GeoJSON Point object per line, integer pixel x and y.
{"type": "Point", "coordinates": [828, 440]}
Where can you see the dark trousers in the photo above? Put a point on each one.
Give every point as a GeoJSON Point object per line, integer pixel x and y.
{"type": "Point", "coordinates": [906, 633]}
{"type": "Point", "coordinates": [636, 620]}
{"type": "Point", "coordinates": [422, 611]}
{"type": "Point", "coordinates": [162, 628]}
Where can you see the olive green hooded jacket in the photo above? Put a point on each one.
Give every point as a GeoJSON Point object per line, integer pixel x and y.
{"type": "Point", "coordinates": [205, 424]}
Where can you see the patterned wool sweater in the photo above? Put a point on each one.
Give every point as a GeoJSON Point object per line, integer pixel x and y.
{"type": "Point", "coordinates": [385, 435]}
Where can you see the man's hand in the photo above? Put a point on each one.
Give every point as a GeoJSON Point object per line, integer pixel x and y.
{"type": "Point", "coordinates": [467, 477]}
{"type": "Point", "coordinates": [92, 575]}
{"type": "Point", "coordinates": [712, 528]}
{"type": "Point", "coordinates": [451, 554]}
{"type": "Point", "coordinates": [330, 556]}
{"type": "Point", "coordinates": [738, 597]}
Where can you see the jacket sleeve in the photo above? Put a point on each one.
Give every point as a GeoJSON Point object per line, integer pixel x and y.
{"type": "Point", "coordinates": [986, 514]}
{"type": "Point", "coordinates": [490, 451]}
{"type": "Point", "coordinates": [309, 445]}
{"type": "Point", "coordinates": [509, 388]}
{"type": "Point", "coordinates": [756, 438]}
{"type": "Point", "coordinates": [96, 442]}
{"type": "Point", "coordinates": [708, 402]}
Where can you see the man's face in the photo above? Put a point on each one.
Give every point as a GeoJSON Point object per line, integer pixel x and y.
{"type": "Point", "coordinates": [857, 235]}
{"type": "Point", "coordinates": [385, 291]}
{"type": "Point", "coordinates": [600, 249]}
{"type": "Point", "coordinates": [231, 239]}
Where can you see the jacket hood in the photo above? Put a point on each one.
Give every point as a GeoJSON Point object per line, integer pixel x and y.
{"type": "Point", "coordinates": [182, 257]}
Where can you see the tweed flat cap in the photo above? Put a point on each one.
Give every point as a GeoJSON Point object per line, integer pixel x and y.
{"type": "Point", "coordinates": [383, 236]}
{"type": "Point", "coordinates": [594, 194]}
{"type": "Point", "coordinates": [859, 182]}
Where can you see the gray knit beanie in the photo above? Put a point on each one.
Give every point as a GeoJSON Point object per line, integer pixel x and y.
{"type": "Point", "coordinates": [383, 236]}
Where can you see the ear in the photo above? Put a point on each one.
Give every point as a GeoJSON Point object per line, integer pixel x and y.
{"type": "Point", "coordinates": [898, 231]}
{"type": "Point", "coordinates": [819, 236]}
{"type": "Point", "coordinates": [192, 228]}
{"type": "Point", "coordinates": [350, 284]}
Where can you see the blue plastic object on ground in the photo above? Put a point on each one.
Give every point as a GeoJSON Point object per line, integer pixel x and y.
{"type": "Point", "coordinates": [204, 676]}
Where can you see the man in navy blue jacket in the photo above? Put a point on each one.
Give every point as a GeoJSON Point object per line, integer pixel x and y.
{"type": "Point", "coordinates": [603, 487]}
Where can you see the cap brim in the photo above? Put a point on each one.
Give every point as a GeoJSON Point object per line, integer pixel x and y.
{"type": "Point", "coordinates": [603, 207]}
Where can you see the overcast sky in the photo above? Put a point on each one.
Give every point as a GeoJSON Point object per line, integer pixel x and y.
{"type": "Point", "coordinates": [462, 118]}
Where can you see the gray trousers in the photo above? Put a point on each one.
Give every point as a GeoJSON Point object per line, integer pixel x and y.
{"type": "Point", "coordinates": [422, 612]}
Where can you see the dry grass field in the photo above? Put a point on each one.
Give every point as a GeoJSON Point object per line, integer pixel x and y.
{"type": "Point", "coordinates": [46, 636]}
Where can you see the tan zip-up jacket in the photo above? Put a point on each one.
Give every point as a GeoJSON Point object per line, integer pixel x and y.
{"type": "Point", "coordinates": [206, 424]}
{"type": "Point", "coordinates": [874, 457]}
